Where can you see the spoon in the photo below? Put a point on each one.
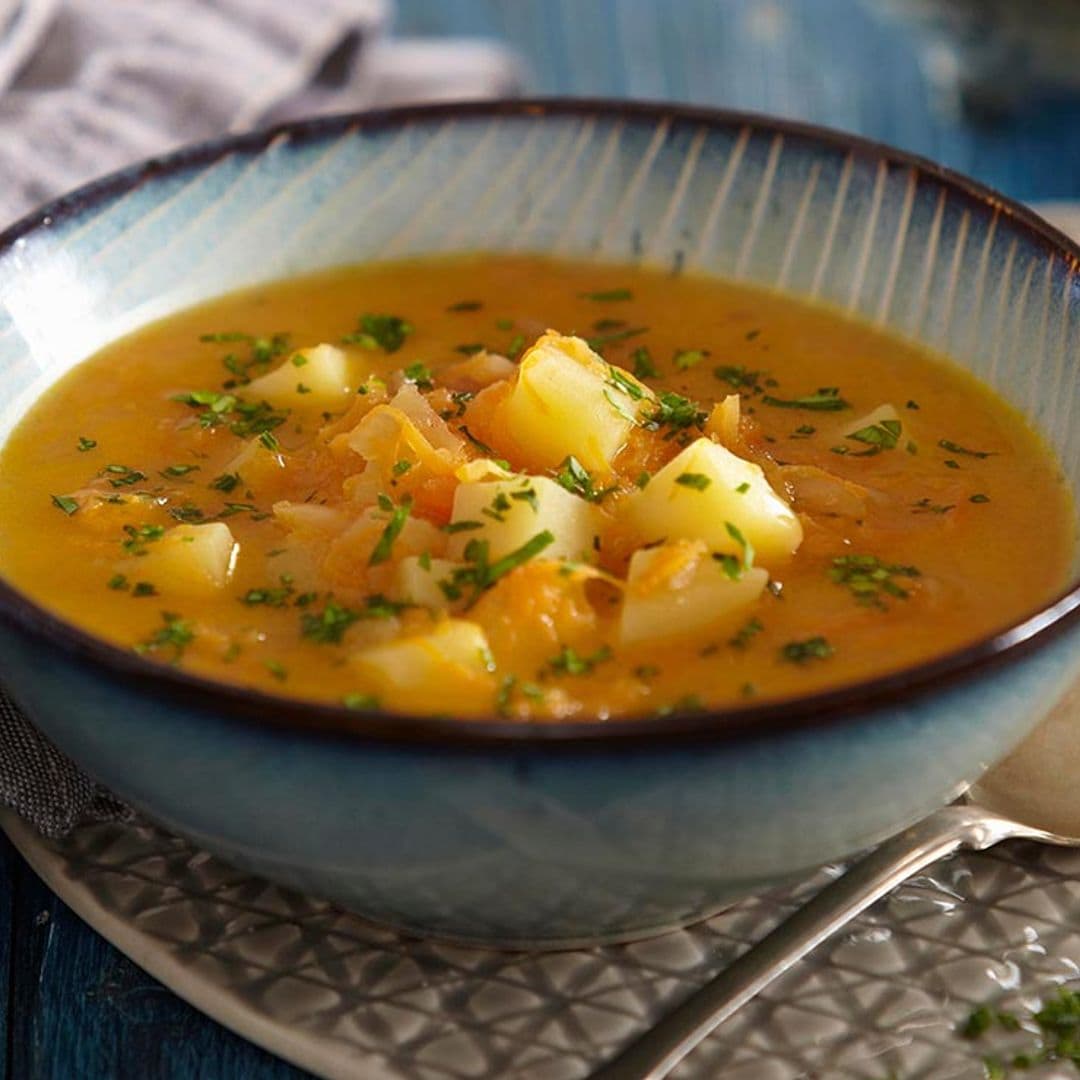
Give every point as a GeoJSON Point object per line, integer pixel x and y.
{"type": "Point", "coordinates": [1031, 795]}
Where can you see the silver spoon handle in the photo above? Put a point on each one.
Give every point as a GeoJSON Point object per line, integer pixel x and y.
{"type": "Point", "coordinates": [663, 1046]}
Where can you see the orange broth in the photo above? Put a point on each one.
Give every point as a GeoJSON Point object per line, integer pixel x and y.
{"type": "Point", "coordinates": [908, 550]}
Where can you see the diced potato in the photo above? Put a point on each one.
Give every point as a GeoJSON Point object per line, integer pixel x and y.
{"type": "Point", "coordinates": [509, 513]}
{"type": "Point", "coordinates": [566, 402]}
{"type": "Point", "coordinates": [702, 490]}
{"type": "Point", "coordinates": [678, 591]}
{"type": "Point", "coordinates": [195, 560]}
{"type": "Point", "coordinates": [448, 670]}
{"type": "Point", "coordinates": [418, 580]}
{"type": "Point", "coordinates": [316, 378]}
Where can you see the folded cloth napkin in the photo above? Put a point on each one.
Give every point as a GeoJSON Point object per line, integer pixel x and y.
{"type": "Point", "coordinates": [111, 83]}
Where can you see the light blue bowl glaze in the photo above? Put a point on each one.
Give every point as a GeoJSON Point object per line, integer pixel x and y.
{"type": "Point", "coordinates": [504, 834]}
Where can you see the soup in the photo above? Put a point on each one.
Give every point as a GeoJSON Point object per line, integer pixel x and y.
{"type": "Point", "coordinates": [530, 488]}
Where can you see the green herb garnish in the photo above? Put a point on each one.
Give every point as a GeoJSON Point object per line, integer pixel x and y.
{"type": "Point", "coordinates": [676, 412]}
{"type": "Point", "coordinates": [65, 503]}
{"type": "Point", "coordinates": [954, 448]}
{"type": "Point", "coordinates": [867, 577]}
{"type": "Point", "coordinates": [175, 636]}
{"type": "Point", "coordinates": [85, 444]}
{"type": "Point", "coordinates": [570, 662]}
{"type": "Point", "coordinates": [386, 332]}
{"type": "Point", "coordinates": [697, 481]}
{"type": "Point", "coordinates": [801, 652]}
{"type": "Point", "coordinates": [480, 574]}
{"type": "Point", "coordinates": [746, 633]}
{"type": "Point", "coordinates": [684, 359]}
{"type": "Point", "coordinates": [179, 470]}
{"type": "Point", "coordinates": [825, 399]}
{"type": "Point", "coordinates": [644, 368]}
{"type": "Point", "coordinates": [883, 435]}
{"type": "Point", "coordinates": [384, 546]}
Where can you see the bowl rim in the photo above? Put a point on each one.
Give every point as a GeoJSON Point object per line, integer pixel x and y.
{"type": "Point", "coordinates": [278, 714]}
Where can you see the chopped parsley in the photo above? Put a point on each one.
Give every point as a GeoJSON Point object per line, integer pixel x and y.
{"type": "Point", "coordinates": [739, 377]}
{"type": "Point", "coordinates": [226, 482]}
{"type": "Point", "coordinates": [570, 662]}
{"type": "Point", "coordinates": [120, 476]}
{"type": "Point", "coordinates": [401, 467]}
{"type": "Point", "coordinates": [607, 295]}
{"type": "Point", "coordinates": [421, 375]}
{"type": "Point", "coordinates": [883, 435]}
{"type": "Point", "coordinates": [179, 470]}
{"type": "Point", "coordinates": [65, 503]}
{"type": "Point", "coordinates": [119, 582]}
{"type": "Point", "coordinates": [573, 476]}
{"type": "Point", "coordinates": [138, 536]}
{"type": "Point", "coordinates": [980, 498]}
{"type": "Point", "coordinates": [675, 412]}
{"type": "Point", "coordinates": [644, 368]}
{"type": "Point", "coordinates": [684, 359]}
{"type": "Point", "coordinates": [867, 577]}
{"type": "Point", "coordinates": [1058, 1039]}
{"type": "Point", "coordinates": [825, 399]}
{"type": "Point", "coordinates": [360, 701]}
{"type": "Point", "coordinates": [85, 444]}
{"type": "Point", "coordinates": [747, 548]}
{"type": "Point", "coordinates": [470, 348]}
{"type": "Point", "coordinates": [386, 332]}
{"type": "Point", "coordinates": [621, 381]}
{"type": "Point", "coordinates": [955, 448]}
{"type": "Point", "coordinates": [277, 669]}
{"type": "Point", "coordinates": [599, 341]}
{"type": "Point", "coordinates": [802, 652]}
{"type": "Point", "coordinates": [261, 351]}
{"type": "Point", "coordinates": [466, 305]}
{"type": "Point", "coordinates": [174, 637]}
{"type": "Point", "coordinates": [925, 506]}
{"type": "Point", "coordinates": [480, 574]}
{"type": "Point", "coordinates": [398, 516]}
{"type": "Point", "coordinates": [328, 626]}
{"type": "Point", "coordinates": [272, 596]}
{"type": "Point", "coordinates": [697, 481]}
{"type": "Point", "coordinates": [143, 588]}
{"type": "Point", "coordinates": [746, 633]}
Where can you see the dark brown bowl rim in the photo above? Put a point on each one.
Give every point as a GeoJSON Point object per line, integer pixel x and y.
{"type": "Point", "coordinates": [285, 715]}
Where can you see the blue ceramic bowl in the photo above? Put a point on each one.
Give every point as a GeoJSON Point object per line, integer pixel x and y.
{"type": "Point", "coordinates": [547, 835]}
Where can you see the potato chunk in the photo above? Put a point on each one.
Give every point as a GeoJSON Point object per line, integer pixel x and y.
{"type": "Point", "coordinates": [417, 580]}
{"type": "Point", "coordinates": [195, 560]}
{"type": "Point", "coordinates": [448, 670]}
{"type": "Point", "coordinates": [703, 490]}
{"type": "Point", "coordinates": [316, 378]}
{"type": "Point", "coordinates": [677, 591]}
{"type": "Point", "coordinates": [509, 513]}
{"type": "Point", "coordinates": [566, 401]}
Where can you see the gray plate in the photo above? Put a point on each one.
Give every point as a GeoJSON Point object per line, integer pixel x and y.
{"type": "Point", "coordinates": [343, 998]}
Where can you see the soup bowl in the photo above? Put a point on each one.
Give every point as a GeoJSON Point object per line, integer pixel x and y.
{"type": "Point", "coordinates": [555, 834]}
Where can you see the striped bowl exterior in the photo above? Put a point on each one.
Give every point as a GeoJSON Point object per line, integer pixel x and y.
{"type": "Point", "coordinates": [535, 843]}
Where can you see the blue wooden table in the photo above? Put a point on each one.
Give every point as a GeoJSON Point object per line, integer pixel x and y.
{"type": "Point", "coordinates": [76, 1008]}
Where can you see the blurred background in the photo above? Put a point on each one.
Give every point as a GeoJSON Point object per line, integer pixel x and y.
{"type": "Point", "coordinates": [988, 87]}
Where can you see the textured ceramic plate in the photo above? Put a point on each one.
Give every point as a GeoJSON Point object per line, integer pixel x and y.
{"type": "Point", "coordinates": [343, 998]}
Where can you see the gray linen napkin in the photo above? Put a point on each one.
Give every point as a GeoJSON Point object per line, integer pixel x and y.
{"type": "Point", "coordinates": [111, 83]}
